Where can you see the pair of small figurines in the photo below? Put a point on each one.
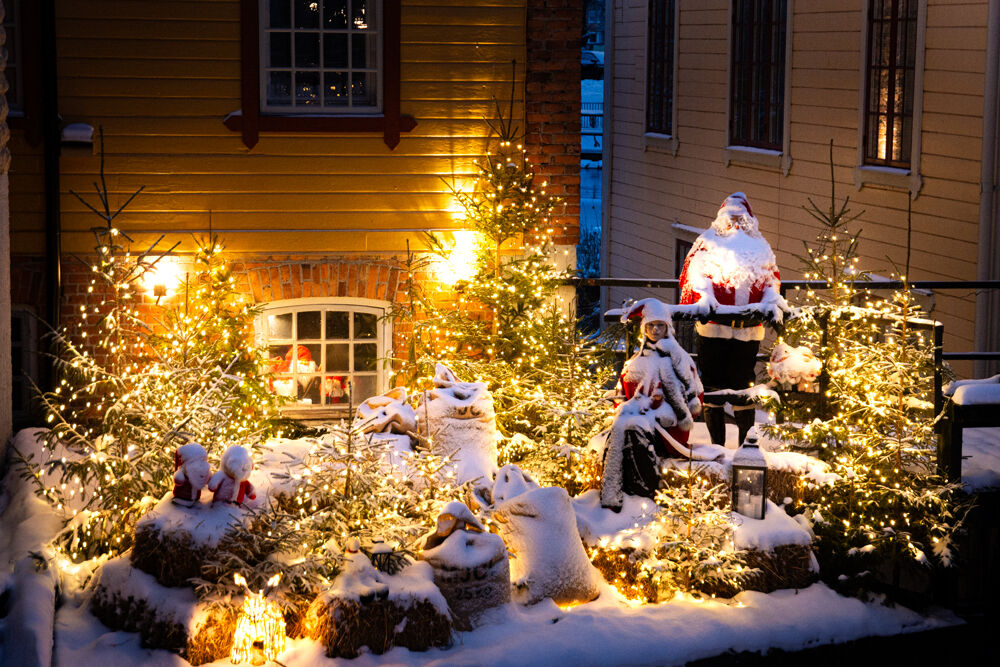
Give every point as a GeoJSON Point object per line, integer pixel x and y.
{"type": "Point", "coordinates": [230, 484]}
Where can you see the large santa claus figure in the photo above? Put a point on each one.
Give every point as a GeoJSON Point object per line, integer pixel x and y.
{"type": "Point", "coordinates": [730, 264]}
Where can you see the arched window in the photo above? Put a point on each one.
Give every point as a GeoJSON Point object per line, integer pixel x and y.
{"type": "Point", "coordinates": [326, 353]}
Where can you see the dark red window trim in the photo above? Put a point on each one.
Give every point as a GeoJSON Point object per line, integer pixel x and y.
{"type": "Point", "coordinates": [251, 122]}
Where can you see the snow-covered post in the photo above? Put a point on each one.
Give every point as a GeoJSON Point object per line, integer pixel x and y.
{"type": "Point", "coordinates": [6, 396]}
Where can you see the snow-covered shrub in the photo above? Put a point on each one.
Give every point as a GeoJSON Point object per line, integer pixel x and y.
{"type": "Point", "coordinates": [688, 547]}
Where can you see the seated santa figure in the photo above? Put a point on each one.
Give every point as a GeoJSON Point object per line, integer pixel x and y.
{"type": "Point", "coordinates": [664, 371]}
{"type": "Point", "coordinates": [663, 396]}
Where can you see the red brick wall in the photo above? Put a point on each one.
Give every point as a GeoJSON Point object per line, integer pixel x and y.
{"type": "Point", "coordinates": [364, 277]}
{"type": "Point", "coordinates": [552, 82]}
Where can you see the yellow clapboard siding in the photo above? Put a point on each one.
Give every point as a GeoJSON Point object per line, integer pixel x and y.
{"type": "Point", "coordinates": [107, 48]}
{"type": "Point", "coordinates": [318, 243]}
{"type": "Point", "coordinates": [188, 28]}
{"type": "Point", "coordinates": [462, 16]}
{"type": "Point", "coordinates": [285, 201]}
{"type": "Point", "coordinates": [213, 10]}
{"type": "Point", "coordinates": [304, 146]}
{"type": "Point", "coordinates": [248, 184]}
{"type": "Point", "coordinates": [260, 163]}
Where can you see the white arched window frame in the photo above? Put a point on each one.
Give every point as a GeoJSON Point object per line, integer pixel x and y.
{"type": "Point", "coordinates": [327, 354]}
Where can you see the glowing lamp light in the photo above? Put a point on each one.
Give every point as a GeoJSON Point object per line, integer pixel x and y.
{"type": "Point", "coordinates": [749, 480]}
{"type": "Point", "coordinates": [164, 277]}
{"type": "Point", "coordinates": [260, 627]}
{"type": "Point", "coordinates": [460, 265]}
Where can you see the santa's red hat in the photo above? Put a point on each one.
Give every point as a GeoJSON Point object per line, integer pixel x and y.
{"type": "Point", "coordinates": [736, 205]}
{"type": "Point", "coordinates": [301, 353]}
{"type": "Point", "coordinates": [650, 310]}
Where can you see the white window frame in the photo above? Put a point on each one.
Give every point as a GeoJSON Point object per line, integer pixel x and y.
{"type": "Point", "coordinates": [749, 155]}
{"type": "Point", "coordinates": [263, 43]}
{"type": "Point", "coordinates": [383, 340]}
{"type": "Point", "coordinates": [657, 141]}
{"type": "Point", "coordinates": [895, 178]}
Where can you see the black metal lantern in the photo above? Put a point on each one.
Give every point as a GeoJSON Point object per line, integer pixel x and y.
{"type": "Point", "coordinates": [749, 479]}
{"type": "Point", "coordinates": [381, 556]}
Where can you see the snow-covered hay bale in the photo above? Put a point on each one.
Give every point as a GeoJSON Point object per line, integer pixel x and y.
{"type": "Point", "coordinates": [459, 419]}
{"type": "Point", "coordinates": [540, 530]}
{"type": "Point", "coordinates": [406, 610]}
{"type": "Point", "coordinates": [168, 618]}
{"type": "Point", "coordinates": [786, 566]}
{"type": "Point", "coordinates": [172, 541]}
{"type": "Point", "coordinates": [473, 573]}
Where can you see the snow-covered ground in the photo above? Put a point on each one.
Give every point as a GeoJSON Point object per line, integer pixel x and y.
{"type": "Point", "coordinates": [608, 631]}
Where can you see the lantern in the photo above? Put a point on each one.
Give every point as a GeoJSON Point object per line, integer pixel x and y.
{"type": "Point", "coordinates": [381, 556]}
{"type": "Point", "coordinates": [749, 479]}
{"type": "Point", "coordinates": [260, 626]}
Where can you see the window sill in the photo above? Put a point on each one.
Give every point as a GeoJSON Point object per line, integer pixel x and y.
{"type": "Point", "coordinates": [889, 177]}
{"type": "Point", "coordinates": [236, 122]}
{"type": "Point", "coordinates": [660, 143]}
{"type": "Point", "coordinates": [758, 157]}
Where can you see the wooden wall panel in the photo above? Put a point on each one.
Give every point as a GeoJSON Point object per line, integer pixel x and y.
{"type": "Point", "coordinates": [160, 78]}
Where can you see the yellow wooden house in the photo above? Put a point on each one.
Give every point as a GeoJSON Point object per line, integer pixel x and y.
{"type": "Point", "coordinates": [316, 138]}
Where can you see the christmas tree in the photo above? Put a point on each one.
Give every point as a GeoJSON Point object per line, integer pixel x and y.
{"type": "Point", "coordinates": [874, 418]}
{"type": "Point", "coordinates": [134, 385]}
{"type": "Point", "coordinates": [508, 326]}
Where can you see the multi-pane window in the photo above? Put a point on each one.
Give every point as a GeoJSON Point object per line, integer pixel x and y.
{"type": "Point", "coordinates": [890, 70]}
{"type": "Point", "coordinates": [325, 355]}
{"type": "Point", "coordinates": [660, 67]}
{"type": "Point", "coordinates": [321, 56]}
{"type": "Point", "coordinates": [11, 25]}
{"type": "Point", "coordinates": [757, 85]}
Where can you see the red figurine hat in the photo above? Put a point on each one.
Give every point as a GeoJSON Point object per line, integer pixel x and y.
{"type": "Point", "coordinates": [650, 310]}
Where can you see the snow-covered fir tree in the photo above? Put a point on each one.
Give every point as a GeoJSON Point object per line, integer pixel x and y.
{"type": "Point", "coordinates": [508, 326]}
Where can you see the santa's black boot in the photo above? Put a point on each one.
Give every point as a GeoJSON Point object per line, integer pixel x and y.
{"type": "Point", "coordinates": [744, 421]}
{"type": "Point", "coordinates": [715, 420]}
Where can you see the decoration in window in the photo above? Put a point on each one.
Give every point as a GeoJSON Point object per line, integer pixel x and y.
{"type": "Point", "coordinates": [892, 40]}
{"type": "Point", "coordinates": [757, 85]}
{"type": "Point", "coordinates": [660, 67]}
{"type": "Point", "coordinates": [324, 356]}
{"type": "Point", "coordinates": [320, 55]}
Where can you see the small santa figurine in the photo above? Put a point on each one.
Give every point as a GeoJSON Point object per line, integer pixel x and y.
{"type": "Point", "coordinates": [664, 371]}
{"type": "Point", "coordinates": [232, 484]}
{"type": "Point", "coordinates": [191, 471]}
{"type": "Point", "coordinates": [730, 264]}
{"type": "Point", "coordinates": [298, 360]}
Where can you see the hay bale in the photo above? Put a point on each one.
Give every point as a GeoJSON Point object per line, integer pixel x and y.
{"type": "Point", "coordinates": [345, 625]}
{"type": "Point", "coordinates": [365, 607]}
{"type": "Point", "coordinates": [177, 622]}
{"type": "Point", "coordinates": [172, 541]}
{"type": "Point", "coordinates": [473, 589]}
{"type": "Point", "coordinates": [787, 566]}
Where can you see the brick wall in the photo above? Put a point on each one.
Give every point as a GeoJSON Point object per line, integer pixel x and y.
{"type": "Point", "coordinates": [552, 83]}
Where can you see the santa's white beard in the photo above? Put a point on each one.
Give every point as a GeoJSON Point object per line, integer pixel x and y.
{"type": "Point", "coordinates": [738, 259]}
